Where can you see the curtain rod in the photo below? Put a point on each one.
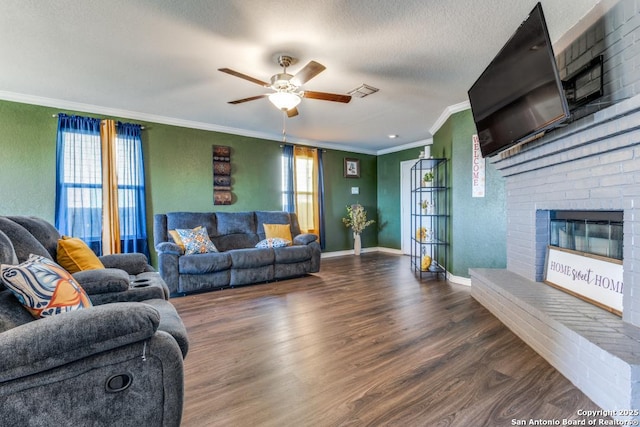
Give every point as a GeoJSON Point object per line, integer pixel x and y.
{"type": "Point", "coordinates": [305, 146]}
{"type": "Point", "coordinates": [56, 116]}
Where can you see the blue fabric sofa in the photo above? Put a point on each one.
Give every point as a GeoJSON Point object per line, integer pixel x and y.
{"type": "Point", "coordinates": [238, 261]}
{"type": "Point", "coordinates": [118, 363]}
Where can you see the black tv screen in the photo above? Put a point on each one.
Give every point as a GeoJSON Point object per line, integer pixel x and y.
{"type": "Point", "coordinates": [520, 93]}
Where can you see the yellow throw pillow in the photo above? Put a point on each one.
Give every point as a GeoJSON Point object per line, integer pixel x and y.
{"type": "Point", "coordinates": [177, 239]}
{"type": "Point", "coordinates": [74, 255]}
{"type": "Point", "coordinates": [273, 231]}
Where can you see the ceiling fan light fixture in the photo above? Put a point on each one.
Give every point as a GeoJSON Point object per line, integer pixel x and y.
{"type": "Point", "coordinates": [285, 100]}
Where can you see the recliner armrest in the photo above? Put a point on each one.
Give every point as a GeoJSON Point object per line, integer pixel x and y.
{"type": "Point", "coordinates": [102, 281]}
{"type": "Point", "coordinates": [304, 239]}
{"type": "Point", "coordinates": [169, 248]}
{"type": "Point", "coordinates": [133, 263]}
{"type": "Point", "coordinates": [55, 341]}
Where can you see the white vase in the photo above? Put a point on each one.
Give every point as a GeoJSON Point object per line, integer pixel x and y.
{"type": "Point", "coordinates": [357, 245]}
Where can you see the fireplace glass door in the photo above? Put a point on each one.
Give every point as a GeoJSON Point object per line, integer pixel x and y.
{"type": "Point", "coordinates": [593, 232]}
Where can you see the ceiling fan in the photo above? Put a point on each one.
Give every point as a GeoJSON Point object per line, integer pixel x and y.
{"type": "Point", "coordinates": [287, 92]}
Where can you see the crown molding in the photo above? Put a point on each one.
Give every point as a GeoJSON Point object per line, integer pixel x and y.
{"type": "Point", "coordinates": [448, 112]}
{"type": "Point", "coordinates": [152, 118]}
{"type": "Point", "coordinates": [407, 146]}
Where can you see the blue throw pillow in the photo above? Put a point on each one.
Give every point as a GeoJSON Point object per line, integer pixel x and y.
{"type": "Point", "coordinates": [273, 242]}
{"type": "Point", "coordinates": [196, 241]}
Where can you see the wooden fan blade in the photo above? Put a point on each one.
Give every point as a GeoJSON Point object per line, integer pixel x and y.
{"type": "Point", "coordinates": [292, 112]}
{"type": "Point", "coordinates": [253, 98]}
{"type": "Point", "coordinates": [309, 71]}
{"type": "Point", "coordinates": [243, 76]}
{"type": "Point", "coordinates": [335, 97]}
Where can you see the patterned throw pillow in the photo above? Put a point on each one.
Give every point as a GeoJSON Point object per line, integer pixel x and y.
{"type": "Point", "coordinates": [274, 242]}
{"type": "Point", "coordinates": [176, 237]}
{"type": "Point", "coordinates": [196, 241]}
{"type": "Point", "coordinates": [43, 287]}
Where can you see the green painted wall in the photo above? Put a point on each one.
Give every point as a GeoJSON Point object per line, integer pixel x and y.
{"type": "Point", "coordinates": [179, 172]}
{"type": "Point", "coordinates": [477, 231]}
{"type": "Point", "coordinates": [179, 177]}
{"type": "Point", "coordinates": [389, 196]}
{"type": "Point", "coordinates": [337, 235]}
{"type": "Point", "coordinates": [27, 160]}
{"type": "Point", "coordinates": [478, 225]}
{"type": "Point", "coordinates": [389, 190]}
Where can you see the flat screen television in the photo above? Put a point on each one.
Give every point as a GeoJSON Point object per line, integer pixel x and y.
{"type": "Point", "coordinates": [520, 94]}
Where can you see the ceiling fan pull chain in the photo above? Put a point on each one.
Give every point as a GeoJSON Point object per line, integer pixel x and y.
{"type": "Point", "coordinates": [284, 127]}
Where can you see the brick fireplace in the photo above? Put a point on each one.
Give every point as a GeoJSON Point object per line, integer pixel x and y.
{"type": "Point", "coordinates": [593, 164]}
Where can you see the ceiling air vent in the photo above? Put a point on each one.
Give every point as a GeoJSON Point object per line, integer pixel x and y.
{"type": "Point", "coordinates": [362, 91]}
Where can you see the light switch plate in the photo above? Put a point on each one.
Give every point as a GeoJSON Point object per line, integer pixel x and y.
{"type": "Point", "coordinates": [355, 190]}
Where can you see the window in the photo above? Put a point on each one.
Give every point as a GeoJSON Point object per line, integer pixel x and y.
{"type": "Point", "coordinates": [301, 186]}
{"type": "Point", "coordinates": [79, 197]}
{"type": "Point", "coordinates": [306, 191]}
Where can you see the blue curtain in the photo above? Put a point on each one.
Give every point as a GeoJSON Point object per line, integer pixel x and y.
{"type": "Point", "coordinates": [321, 197]}
{"type": "Point", "coordinates": [289, 204]}
{"type": "Point", "coordinates": [131, 189]}
{"type": "Point", "coordinates": [78, 204]}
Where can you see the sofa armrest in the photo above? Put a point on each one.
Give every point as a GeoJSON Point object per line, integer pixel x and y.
{"type": "Point", "coordinates": [102, 281]}
{"type": "Point", "coordinates": [133, 263]}
{"type": "Point", "coordinates": [304, 239]}
{"type": "Point", "coordinates": [58, 340]}
{"type": "Point", "coordinates": [168, 264]}
{"type": "Point", "coordinates": [169, 248]}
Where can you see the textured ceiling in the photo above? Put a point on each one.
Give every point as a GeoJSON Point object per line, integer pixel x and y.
{"type": "Point", "coordinates": [157, 60]}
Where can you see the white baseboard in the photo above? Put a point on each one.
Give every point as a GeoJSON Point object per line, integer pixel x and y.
{"type": "Point", "coordinates": [459, 280]}
{"type": "Point", "coordinates": [350, 252]}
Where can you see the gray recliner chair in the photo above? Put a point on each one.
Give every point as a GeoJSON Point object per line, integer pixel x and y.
{"type": "Point", "coordinates": [117, 363]}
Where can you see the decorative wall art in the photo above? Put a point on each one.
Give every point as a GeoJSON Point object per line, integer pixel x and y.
{"type": "Point", "coordinates": [222, 175]}
{"type": "Point", "coordinates": [351, 168]}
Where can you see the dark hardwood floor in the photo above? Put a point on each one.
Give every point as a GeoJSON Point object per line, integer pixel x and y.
{"type": "Point", "coordinates": [362, 343]}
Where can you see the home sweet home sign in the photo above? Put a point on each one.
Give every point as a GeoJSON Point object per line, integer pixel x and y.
{"type": "Point", "coordinates": [592, 278]}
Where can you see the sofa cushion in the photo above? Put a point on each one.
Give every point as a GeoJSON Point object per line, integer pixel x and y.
{"type": "Point", "coordinates": [251, 258]}
{"type": "Point", "coordinates": [23, 242]}
{"type": "Point", "coordinates": [7, 254]}
{"type": "Point", "coordinates": [282, 231]}
{"type": "Point", "coordinates": [270, 217]}
{"type": "Point", "coordinates": [196, 241]}
{"type": "Point", "coordinates": [42, 230]}
{"type": "Point", "coordinates": [275, 242]}
{"type": "Point", "coordinates": [235, 241]}
{"type": "Point", "coordinates": [74, 255]}
{"type": "Point", "coordinates": [292, 254]}
{"type": "Point", "coordinates": [235, 223]}
{"type": "Point", "coordinates": [12, 313]}
{"type": "Point", "coordinates": [43, 287]}
{"type": "Point", "coordinates": [132, 262]}
{"type": "Point", "coordinates": [304, 239]}
{"type": "Point", "coordinates": [204, 263]}
{"type": "Point", "coordinates": [177, 220]}
{"type": "Point", "coordinates": [101, 281]}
